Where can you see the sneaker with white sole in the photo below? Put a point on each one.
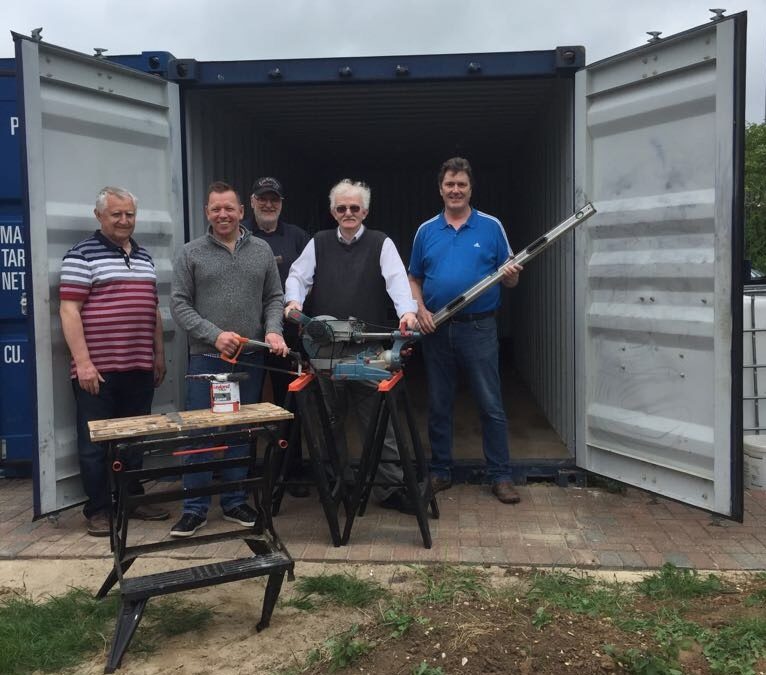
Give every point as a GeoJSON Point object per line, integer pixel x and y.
{"type": "Point", "coordinates": [243, 514]}
{"type": "Point", "coordinates": [188, 525]}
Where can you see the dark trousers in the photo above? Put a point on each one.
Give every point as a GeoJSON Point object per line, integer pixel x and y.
{"type": "Point", "coordinates": [279, 384]}
{"type": "Point", "coordinates": [124, 394]}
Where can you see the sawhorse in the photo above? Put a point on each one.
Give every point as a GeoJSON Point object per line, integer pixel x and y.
{"type": "Point", "coordinates": [393, 405]}
{"type": "Point", "coordinates": [312, 418]}
{"type": "Point", "coordinates": [182, 430]}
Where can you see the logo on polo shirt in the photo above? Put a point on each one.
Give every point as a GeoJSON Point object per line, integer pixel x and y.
{"type": "Point", "coordinates": [477, 245]}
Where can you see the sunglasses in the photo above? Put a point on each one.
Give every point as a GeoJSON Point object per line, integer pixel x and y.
{"type": "Point", "coordinates": [340, 209]}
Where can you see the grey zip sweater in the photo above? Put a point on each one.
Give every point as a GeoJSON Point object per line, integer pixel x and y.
{"type": "Point", "coordinates": [215, 290]}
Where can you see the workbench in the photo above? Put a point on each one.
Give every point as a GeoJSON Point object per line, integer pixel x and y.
{"type": "Point", "coordinates": [166, 437]}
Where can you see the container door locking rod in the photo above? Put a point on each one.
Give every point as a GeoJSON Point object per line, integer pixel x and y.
{"type": "Point", "coordinates": [531, 251]}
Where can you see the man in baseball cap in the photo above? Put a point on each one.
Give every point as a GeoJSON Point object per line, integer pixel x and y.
{"type": "Point", "coordinates": [287, 241]}
{"type": "Point", "coordinates": [268, 184]}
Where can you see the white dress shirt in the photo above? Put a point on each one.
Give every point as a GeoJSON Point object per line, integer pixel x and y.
{"type": "Point", "coordinates": [301, 277]}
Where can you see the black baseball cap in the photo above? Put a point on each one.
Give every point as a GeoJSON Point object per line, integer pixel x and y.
{"type": "Point", "coordinates": [268, 184]}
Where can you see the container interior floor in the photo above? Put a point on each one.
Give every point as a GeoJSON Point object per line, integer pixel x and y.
{"type": "Point", "coordinates": [531, 437]}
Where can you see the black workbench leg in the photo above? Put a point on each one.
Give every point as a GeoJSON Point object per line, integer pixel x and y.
{"type": "Point", "coordinates": [112, 578]}
{"type": "Point", "coordinates": [381, 430]}
{"type": "Point", "coordinates": [286, 458]}
{"type": "Point", "coordinates": [419, 454]}
{"type": "Point", "coordinates": [128, 619]}
{"type": "Point", "coordinates": [273, 586]}
{"type": "Point", "coordinates": [314, 438]}
{"type": "Point", "coordinates": [409, 471]}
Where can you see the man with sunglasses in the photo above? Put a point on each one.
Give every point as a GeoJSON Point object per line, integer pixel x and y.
{"type": "Point", "coordinates": [286, 241]}
{"type": "Point", "coordinates": [353, 271]}
{"type": "Point", "coordinates": [453, 251]}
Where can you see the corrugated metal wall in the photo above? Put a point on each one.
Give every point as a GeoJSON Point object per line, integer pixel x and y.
{"type": "Point", "coordinates": [540, 319]}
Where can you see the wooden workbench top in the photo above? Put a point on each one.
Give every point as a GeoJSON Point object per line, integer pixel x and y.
{"type": "Point", "coordinates": [190, 420]}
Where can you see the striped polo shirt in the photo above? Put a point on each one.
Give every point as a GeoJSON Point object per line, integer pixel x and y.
{"type": "Point", "coordinates": [119, 296]}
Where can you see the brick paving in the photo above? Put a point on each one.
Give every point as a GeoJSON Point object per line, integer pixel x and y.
{"type": "Point", "coordinates": [552, 526]}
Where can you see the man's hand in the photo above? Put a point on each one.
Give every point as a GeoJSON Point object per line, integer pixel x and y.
{"type": "Point", "coordinates": [278, 344]}
{"type": "Point", "coordinates": [293, 304]}
{"type": "Point", "coordinates": [409, 321]}
{"type": "Point", "coordinates": [89, 377]}
{"type": "Point", "coordinates": [227, 343]}
{"type": "Point", "coordinates": [159, 369]}
{"type": "Point", "coordinates": [511, 275]}
{"type": "Point", "coordinates": [425, 319]}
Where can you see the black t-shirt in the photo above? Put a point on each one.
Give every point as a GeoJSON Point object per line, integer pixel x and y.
{"type": "Point", "coordinates": [287, 242]}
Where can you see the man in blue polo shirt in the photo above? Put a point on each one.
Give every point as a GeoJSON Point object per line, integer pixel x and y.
{"type": "Point", "coordinates": [452, 251]}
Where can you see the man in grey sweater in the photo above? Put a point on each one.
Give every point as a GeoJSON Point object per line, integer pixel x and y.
{"type": "Point", "coordinates": [225, 285]}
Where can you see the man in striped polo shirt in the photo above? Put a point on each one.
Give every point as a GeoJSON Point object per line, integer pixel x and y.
{"type": "Point", "coordinates": [113, 329]}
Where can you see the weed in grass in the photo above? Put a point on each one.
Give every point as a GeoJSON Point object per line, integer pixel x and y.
{"type": "Point", "coordinates": [302, 602]}
{"type": "Point", "coordinates": [679, 583]}
{"type": "Point", "coordinates": [638, 662]}
{"type": "Point", "coordinates": [398, 620]}
{"type": "Point", "coordinates": [579, 593]}
{"type": "Point", "coordinates": [341, 589]}
{"type": "Point", "coordinates": [424, 669]}
{"type": "Point", "coordinates": [734, 649]}
{"type": "Point", "coordinates": [541, 618]}
{"type": "Point", "coordinates": [344, 649]}
{"type": "Point", "coordinates": [445, 583]}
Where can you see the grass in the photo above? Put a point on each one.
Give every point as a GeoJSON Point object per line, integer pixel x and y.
{"type": "Point", "coordinates": [61, 632]}
{"type": "Point", "coordinates": [445, 584]}
{"type": "Point", "coordinates": [679, 583]}
{"type": "Point", "coordinates": [339, 589]}
{"type": "Point", "coordinates": [578, 593]}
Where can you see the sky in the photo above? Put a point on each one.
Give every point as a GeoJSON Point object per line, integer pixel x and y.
{"type": "Point", "coordinates": [224, 30]}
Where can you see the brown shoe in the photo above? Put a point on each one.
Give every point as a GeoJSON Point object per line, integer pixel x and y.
{"type": "Point", "coordinates": [98, 525]}
{"type": "Point", "coordinates": [147, 512]}
{"type": "Point", "coordinates": [439, 483]}
{"type": "Point", "coordinates": [505, 492]}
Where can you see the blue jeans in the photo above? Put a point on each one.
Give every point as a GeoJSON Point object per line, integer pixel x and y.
{"type": "Point", "coordinates": [123, 394]}
{"type": "Point", "coordinates": [198, 396]}
{"type": "Point", "coordinates": [473, 348]}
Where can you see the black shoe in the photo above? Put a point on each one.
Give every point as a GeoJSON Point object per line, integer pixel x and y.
{"type": "Point", "coordinates": [299, 491]}
{"type": "Point", "coordinates": [243, 514]}
{"type": "Point", "coordinates": [188, 525]}
{"type": "Point", "coordinates": [439, 483]}
{"type": "Point", "coordinates": [399, 501]}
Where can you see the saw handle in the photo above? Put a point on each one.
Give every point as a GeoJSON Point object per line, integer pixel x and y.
{"type": "Point", "coordinates": [233, 359]}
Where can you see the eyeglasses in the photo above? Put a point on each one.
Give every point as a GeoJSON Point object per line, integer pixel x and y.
{"type": "Point", "coordinates": [275, 199]}
{"type": "Point", "coordinates": [340, 209]}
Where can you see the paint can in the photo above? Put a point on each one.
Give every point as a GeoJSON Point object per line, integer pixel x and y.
{"type": "Point", "coordinates": [224, 397]}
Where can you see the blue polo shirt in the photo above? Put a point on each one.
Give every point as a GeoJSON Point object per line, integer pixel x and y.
{"type": "Point", "coordinates": [450, 261]}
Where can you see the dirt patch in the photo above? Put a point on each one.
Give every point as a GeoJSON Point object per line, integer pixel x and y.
{"type": "Point", "coordinates": [504, 632]}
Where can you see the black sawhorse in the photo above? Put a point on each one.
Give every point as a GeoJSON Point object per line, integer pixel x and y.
{"type": "Point", "coordinates": [393, 404]}
{"type": "Point", "coordinates": [184, 433]}
{"type": "Point", "coordinates": [312, 417]}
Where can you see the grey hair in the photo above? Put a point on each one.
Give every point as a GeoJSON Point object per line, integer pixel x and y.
{"type": "Point", "coordinates": [347, 186]}
{"type": "Point", "coordinates": [120, 193]}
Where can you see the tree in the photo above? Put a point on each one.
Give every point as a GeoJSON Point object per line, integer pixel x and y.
{"type": "Point", "coordinates": [755, 195]}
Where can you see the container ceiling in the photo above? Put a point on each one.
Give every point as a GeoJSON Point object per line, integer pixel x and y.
{"type": "Point", "coordinates": [387, 120]}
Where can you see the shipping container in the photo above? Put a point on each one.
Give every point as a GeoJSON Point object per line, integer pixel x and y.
{"type": "Point", "coordinates": [625, 336]}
